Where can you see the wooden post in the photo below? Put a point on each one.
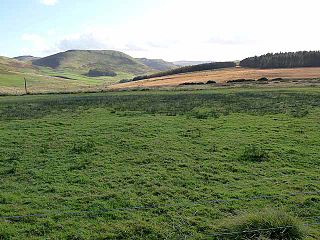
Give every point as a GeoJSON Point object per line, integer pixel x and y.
{"type": "Point", "coordinates": [25, 86]}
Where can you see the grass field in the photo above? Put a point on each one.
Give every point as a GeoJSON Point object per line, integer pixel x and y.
{"type": "Point", "coordinates": [159, 165]}
{"type": "Point", "coordinates": [223, 75]}
{"type": "Point", "coordinates": [47, 80]}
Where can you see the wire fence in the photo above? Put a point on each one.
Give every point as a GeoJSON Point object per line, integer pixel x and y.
{"type": "Point", "coordinates": [259, 230]}
{"type": "Point", "coordinates": [49, 213]}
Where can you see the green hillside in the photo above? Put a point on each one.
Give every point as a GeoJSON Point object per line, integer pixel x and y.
{"type": "Point", "coordinates": [45, 79]}
{"type": "Point", "coordinates": [157, 64]}
{"type": "Point", "coordinates": [84, 60]}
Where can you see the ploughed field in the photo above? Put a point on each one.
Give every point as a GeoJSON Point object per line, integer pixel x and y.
{"type": "Point", "coordinates": [221, 76]}
{"type": "Point", "coordinates": [161, 165]}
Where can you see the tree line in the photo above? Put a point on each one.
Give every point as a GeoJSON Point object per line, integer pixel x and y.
{"type": "Point", "coordinates": [284, 60]}
{"type": "Point", "coordinates": [187, 69]}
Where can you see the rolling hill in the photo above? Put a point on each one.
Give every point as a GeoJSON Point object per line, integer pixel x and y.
{"type": "Point", "coordinates": [189, 63]}
{"type": "Point", "coordinates": [157, 64]}
{"type": "Point", "coordinates": [10, 64]}
{"type": "Point", "coordinates": [84, 60]}
{"type": "Point", "coordinates": [26, 58]}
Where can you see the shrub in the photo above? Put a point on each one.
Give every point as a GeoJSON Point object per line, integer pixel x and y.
{"type": "Point", "coordinates": [253, 153]}
{"type": "Point", "coordinates": [264, 79]}
{"type": "Point", "coordinates": [268, 224]}
{"type": "Point", "coordinates": [191, 83]}
{"type": "Point", "coordinates": [125, 80]}
{"type": "Point", "coordinates": [211, 82]}
{"type": "Point", "coordinates": [277, 79]}
{"type": "Point", "coordinates": [241, 81]}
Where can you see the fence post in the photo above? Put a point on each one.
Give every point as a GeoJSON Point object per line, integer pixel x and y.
{"type": "Point", "coordinates": [25, 86]}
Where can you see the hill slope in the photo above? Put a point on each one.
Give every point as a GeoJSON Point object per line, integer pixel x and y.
{"type": "Point", "coordinates": [26, 58]}
{"type": "Point", "coordinates": [12, 64]}
{"type": "Point", "coordinates": [84, 60]}
{"type": "Point", "coordinates": [157, 64]}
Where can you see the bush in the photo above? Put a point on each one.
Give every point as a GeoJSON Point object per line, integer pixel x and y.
{"type": "Point", "coordinates": [191, 83]}
{"type": "Point", "coordinates": [253, 153]}
{"type": "Point", "coordinates": [266, 224]}
{"type": "Point", "coordinates": [277, 79]}
{"type": "Point", "coordinates": [211, 82]}
{"type": "Point", "coordinates": [125, 80]}
{"type": "Point", "coordinates": [264, 79]}
{"type": "Point", "coordinates": [241, 81]}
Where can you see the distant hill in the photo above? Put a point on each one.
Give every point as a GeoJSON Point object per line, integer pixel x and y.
{"type": "Point", "coordinates": [85, 60]}
{"type": "Point", "coordinates": [26, 58]}
{"type": "Point", "coordinates": [189, 63]}
{"type": "Point", "coordinates": [157, 64]}
{"type": "Point", "coordinates": [9, 64]}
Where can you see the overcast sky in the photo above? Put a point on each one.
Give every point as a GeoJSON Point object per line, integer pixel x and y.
{"type": "Point", "coordinates": [167, 29]}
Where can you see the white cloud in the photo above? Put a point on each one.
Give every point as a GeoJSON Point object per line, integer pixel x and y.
{"type": "Point", "coordinates": [203, 30]}
{"type": "Point", "coordinates": [37, 45]}
{"type": "Point", "coordinates": [49, 2]}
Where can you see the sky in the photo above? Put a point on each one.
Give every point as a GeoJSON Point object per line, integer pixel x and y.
{"type": "Point", "coordinates": [198, 30]}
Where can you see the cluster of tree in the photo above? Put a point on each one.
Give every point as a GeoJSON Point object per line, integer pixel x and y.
{"type": "Point", "coordinates": [100, 73]}
{"type": "Point", "coordinates": [284, 60]}
{"type": "Point", "coordinates": [187, 69]}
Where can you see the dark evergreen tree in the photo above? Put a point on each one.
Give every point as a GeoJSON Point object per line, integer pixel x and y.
{"type": "Point", "coordinates": [283, 60]}
{"type": "Point", "coordinates": [187, 69]}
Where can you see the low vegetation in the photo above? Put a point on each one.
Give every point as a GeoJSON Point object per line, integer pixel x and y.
{"type": "Point", "coordinates": [101, 73]}
{"type": "Point", "coordinates": [160, 165]}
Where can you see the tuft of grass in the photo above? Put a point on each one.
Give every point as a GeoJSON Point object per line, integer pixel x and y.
{"type": "Point", "coordinates": [83, 147]}
{"type": "Point", "coordinates": [204, 113]}
{"type": "Point", "coordinates": [271, 224]}
{"type": "Point", "coordinates": [253, 153]}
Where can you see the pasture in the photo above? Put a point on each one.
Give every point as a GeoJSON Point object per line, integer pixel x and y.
{"type": "Point", "coordinates": [161, 165]}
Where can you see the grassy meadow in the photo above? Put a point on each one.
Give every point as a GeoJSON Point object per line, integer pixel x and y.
{"type": "Point", "coordinates": [46, 80]}
{"type": "Point", "coordinates": [161, 165]}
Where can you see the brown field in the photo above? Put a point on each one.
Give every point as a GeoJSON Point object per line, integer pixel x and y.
{"type": "Point", "coordinates": [223, 75]}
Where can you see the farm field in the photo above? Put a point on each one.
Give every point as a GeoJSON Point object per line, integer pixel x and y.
{"type": "Point", "coordinates": [221, 76]}
{"type": "Point", "coordinates": [161, 164]}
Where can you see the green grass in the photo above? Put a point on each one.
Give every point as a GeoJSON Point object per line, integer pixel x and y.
{"type": "Point", "coordinates": [45, 80]}
{"type": "Point", "coordinates": [92, 152]}
{"type": "Point", "coordinates": [79, 76]}
{"type": "Point", "coordinates": [41, 79]}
